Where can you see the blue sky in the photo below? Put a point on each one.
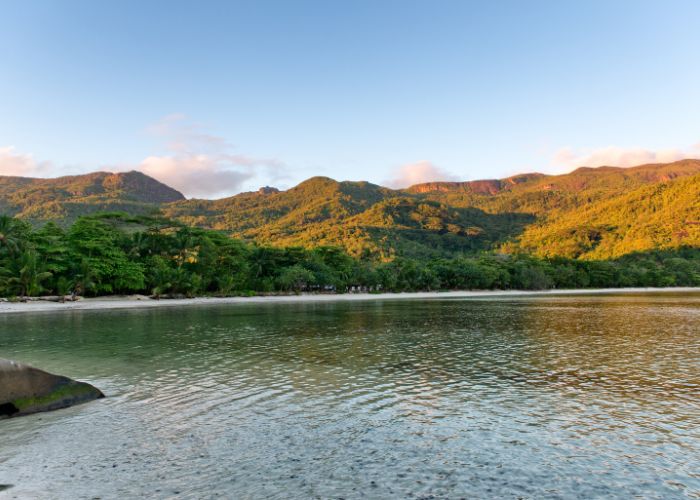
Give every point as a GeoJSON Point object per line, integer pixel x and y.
{"type": "Point", "coordinates": [219, 97]}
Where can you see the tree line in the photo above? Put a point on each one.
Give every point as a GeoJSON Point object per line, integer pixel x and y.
{"type": "Point", "coordinates": [120, 254]}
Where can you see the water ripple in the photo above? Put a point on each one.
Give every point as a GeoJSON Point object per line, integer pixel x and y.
{"type": "Point", "coordinates": [556, 397]}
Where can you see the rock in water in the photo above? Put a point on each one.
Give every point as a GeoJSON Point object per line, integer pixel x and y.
{"type": "Point", "coordinates": [25, 390]}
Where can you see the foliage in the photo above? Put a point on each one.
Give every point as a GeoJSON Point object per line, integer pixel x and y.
{"type": "Point", "coordinates": [599, 213]}
{"type": "Point", "coordinates": [665, 215]}
{"type": "Point", "coordinates": [119, 253]}
{"type": "Point", "coordinates": [66, 198]}
{"type": "Point", "coordinates": [590, 213]}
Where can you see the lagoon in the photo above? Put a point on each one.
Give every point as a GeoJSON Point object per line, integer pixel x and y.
{"type": "Point", "coordinates": [481, 397]}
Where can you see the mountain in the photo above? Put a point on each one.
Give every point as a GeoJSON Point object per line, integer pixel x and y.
{"type": "Point", "coordinates": [590, 213]}
{"type": "Point", "coordinates": [662, 215]}
{"type": "Point", "coordinates": [366, 219]}
{"type": "Point", "coordinates": [533, 213]}
{"type": "Point", "coordinates": [65, 198]}
{"type": "Point", "coordinates": [541, 194]}
{"type": "Point", "coordinates": [485, 187]}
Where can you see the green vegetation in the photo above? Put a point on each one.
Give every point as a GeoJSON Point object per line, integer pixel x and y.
{"type": "Point", "coordinates": [368, 221]}
{"type": "Point", "coordinates": [119, 253]}
{"type": "Point", "coordinates": [67, 198]}
{"type": "Point", "coordinates": [592, 227]}
{"type": "Point", "coordinates": [591, 214]}
{"type": "Point", "coordinates": [65, 394]}
{"type": "Point", "coordinates": [663, 215]}
{"type": "Point", "coordinates": [600, 213]}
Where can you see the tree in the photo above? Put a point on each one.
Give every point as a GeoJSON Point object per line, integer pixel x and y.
{"type": "Point", "coordinates": [12, 233]}
{"type": "Point", "coordinates": [100, 247]}
{"type": "Point", "coordinates": [160, 276]}
{"type": "Point", "coordinates": [296, 278]}
{"type": "Point", "coordinates": [84, 278]}
{"type": "Point", "coordinates": [63, 287]}
{"type": "Point", "coordinates": [29, 275]}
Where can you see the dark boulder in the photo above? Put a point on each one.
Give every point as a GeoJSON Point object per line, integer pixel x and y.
{"type": "Point", "coordinates": [25, 390]}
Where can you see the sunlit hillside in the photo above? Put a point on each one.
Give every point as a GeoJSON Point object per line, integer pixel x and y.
{"type": "Point", "coordinates": [589, 213]}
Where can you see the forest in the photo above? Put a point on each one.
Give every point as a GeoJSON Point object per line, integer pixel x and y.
{"type": "Point", "coordinates": [116, 253]}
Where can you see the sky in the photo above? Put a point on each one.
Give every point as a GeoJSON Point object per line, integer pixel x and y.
{"type": "Point", "coordinates": [216, 98]}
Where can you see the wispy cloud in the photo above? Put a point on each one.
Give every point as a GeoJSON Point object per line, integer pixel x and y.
{"type": "Point", "coordinates": [196, 175]}
{"type": "Point", "coordinates": [417, 173]}
{"type": "Point", "coordinates": [12, 162]}
{"type": "Point", "coordinates": [613, 156]}
{"type": "Point", "coordinates": [200, 164]}
{"type": "Point", "coordinates": [192, 161]}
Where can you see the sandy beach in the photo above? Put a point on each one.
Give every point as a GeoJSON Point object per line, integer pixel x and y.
{"type": "Point", "coordinates": [140, 302]}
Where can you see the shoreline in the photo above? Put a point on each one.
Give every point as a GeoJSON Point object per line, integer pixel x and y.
{"type": "Point", "coordinates": [127, 302]}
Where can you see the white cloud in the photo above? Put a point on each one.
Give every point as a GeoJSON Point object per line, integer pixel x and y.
{"type": "Point", "coordinates": [417, 173]}
{"type": "Point", "coordinates": [196, 175]}
{"type": "Point", "coordinates": [614, 156]}
{"type": "Point", "coordinates": [15, 163]}
{"type": "Point", "coordinates": [191, 161]}
{"type": "Point", "coordinates": [200, 164]}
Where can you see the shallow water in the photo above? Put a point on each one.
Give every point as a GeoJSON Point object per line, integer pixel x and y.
{"type": "Point", "coordinates": [552, 397]}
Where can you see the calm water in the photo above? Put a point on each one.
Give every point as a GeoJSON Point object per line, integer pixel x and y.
{"type": "Point", "coordinates": [568, 397]}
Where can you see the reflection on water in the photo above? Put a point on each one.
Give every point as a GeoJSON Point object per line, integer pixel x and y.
{"type": "Point", "coordinates": [550, 397]}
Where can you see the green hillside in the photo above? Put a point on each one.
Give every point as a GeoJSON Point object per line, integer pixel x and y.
{"type": "Point", "coordinates": [117, 253]}
{"type": "Point", "coordinates": [66, 198]}
{"type": "Point", "coordinates": [542, 194]}
{"type": "Point", "coordinates": [534, 213]}
{"type": "Point", "coordinates": [590, 213]}
{"type": "Point", "coordinates": [365, 219]}
{"type": "Point", "coordinates": [663, 215]}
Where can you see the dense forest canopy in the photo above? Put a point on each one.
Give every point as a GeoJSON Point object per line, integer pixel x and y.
{"type": "Point", "coordinates": [105, 233]}
{"type": "Point", "coordinates": [116, 253]}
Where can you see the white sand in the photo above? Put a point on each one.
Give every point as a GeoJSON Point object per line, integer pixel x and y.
{"type": "Point", "coordinates": [134, 302]}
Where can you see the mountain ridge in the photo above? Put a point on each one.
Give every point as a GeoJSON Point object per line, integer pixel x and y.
{"type": "Point", "coordinates": [67, 197]}
{"type": "Point", "coordinates": [532, 213]}
{"type": "Point", "coordinates": [651, 172]}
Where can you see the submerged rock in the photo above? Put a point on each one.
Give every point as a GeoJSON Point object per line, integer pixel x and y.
{"type": "Point", "coordinates": [25, 390]}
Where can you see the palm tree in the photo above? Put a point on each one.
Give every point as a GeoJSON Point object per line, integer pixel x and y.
{"type": "Point", "coordinates": [187, 245]}
{"type": "Point", "coordinates": [63, 286]}
{"type": "Point", "coordinates": [10, 236]}
{"type": "Point", "coordinates": [141, 245]}
{"type": "Point", "coordinates": [161, 279]}
{"type": "Point", "coordinates": [84, 278]}
{"type": "Point", "coordinates": [30, 275]}
{"type": "Point", "coordinates": [225, 284]}
{"type": "Point", "coordinates": [182, 281]}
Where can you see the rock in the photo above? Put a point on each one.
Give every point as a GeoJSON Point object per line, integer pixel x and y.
{"type": "Point", "coordinates": [25, 390]}
{"type": "Point", "coordinates": [268, 190]}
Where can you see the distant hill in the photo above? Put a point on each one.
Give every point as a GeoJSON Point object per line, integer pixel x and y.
{"type": "Point", "coordinates": [662, 215]}
{"type": "Point", "coordinates": [581, 179]}
{"type": "Point", "coordinates": [484, 187]}
{"type": "Point", "coordinates": [540, 194]}
{"type": "Point", "coordinates": [520, 213]}
{"type": "Point", "coordinates": [366, 219]}
{"type": "Point", "coordinates": [589, 213]}
{"type": "Point", "coordinates": [65, 198]}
